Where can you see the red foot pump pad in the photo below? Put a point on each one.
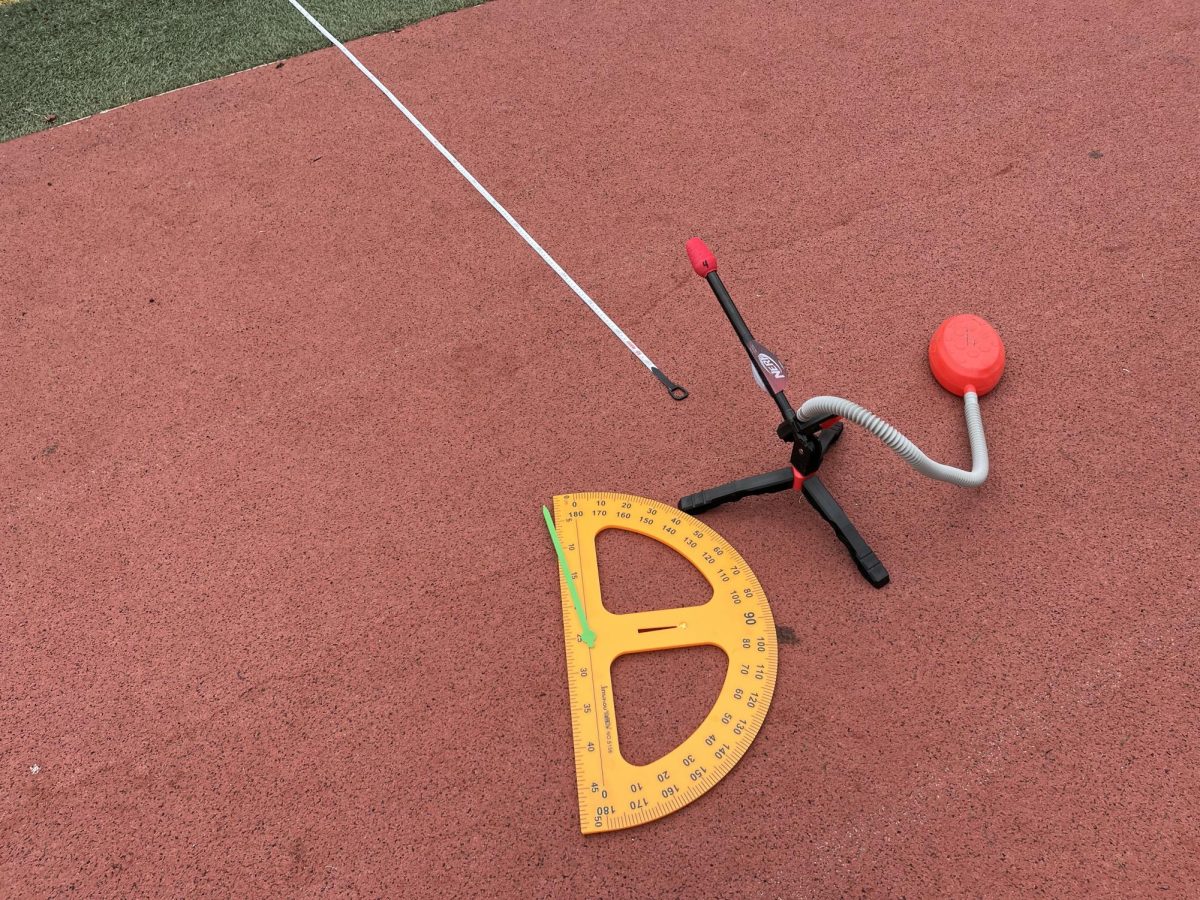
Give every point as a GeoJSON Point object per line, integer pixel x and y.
{"type": "Point", "coordinates": [966, 354]}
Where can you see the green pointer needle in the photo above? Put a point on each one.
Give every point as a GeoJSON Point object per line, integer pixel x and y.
{"type": "Point", "coordinates": [589, 636]}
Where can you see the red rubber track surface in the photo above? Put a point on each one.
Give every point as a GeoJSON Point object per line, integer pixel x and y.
{"type": "Point", "coordinates": [282, 398]}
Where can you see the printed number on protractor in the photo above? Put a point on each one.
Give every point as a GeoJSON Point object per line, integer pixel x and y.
{"type": "Point", "coordinates": [613, 793]}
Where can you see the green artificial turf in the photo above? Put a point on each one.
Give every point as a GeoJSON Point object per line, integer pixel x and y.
{"type": "Point", "coordinates": [64, 59]}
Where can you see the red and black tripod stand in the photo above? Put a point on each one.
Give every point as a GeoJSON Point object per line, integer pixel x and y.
{"type": "Point", "coordinates": [810, 439]}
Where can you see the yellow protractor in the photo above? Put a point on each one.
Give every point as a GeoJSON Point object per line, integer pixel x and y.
{"type": "Point", "coordinates": [614, 793]}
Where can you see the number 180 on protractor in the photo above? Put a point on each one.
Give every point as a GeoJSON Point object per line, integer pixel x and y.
{"type": "Point", "coordinates": [612, 792]}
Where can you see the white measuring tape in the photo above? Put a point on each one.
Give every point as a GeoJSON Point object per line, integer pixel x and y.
{"type": "Point", "coordinates": [677, 392]}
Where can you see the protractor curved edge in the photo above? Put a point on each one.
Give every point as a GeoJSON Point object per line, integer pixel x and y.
{"type": "Point", "coordinates": [614, 794]}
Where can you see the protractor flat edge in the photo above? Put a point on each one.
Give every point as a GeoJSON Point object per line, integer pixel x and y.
{"type": "Point", "coordinates": [614, 794]}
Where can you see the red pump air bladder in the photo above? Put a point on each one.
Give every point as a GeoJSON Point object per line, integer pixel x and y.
{"type": "Point", "coordinates": [966, 354]}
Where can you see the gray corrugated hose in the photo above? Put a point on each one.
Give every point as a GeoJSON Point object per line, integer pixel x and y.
{"type": "Point", "coordinates": [823, 407]}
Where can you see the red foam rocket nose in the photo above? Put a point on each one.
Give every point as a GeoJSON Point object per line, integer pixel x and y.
{"type": "Point", "coordinates": [966, 354]}
{"type": "Point", "coordinates": [700, 257]}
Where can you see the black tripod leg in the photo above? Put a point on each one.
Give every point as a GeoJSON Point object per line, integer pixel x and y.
{"type": "Point", "coordinates": [768, 483]}
{"type": "Point", "coordinates": [822, 501]}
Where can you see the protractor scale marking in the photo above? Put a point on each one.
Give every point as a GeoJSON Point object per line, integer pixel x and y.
{"type": "Point", "coordinates": [614, 793]}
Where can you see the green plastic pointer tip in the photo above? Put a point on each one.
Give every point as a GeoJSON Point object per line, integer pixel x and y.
{"type": "Point", "coordinates": [586, 633]}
